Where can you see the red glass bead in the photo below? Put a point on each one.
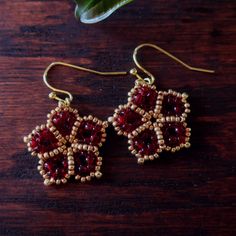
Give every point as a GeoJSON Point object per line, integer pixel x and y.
{"type": "Point", "coordinates": [172, 105]}
{"type": "Point", "coordinates": [85, 162]}
{"type": "Point", "coordinates": [146, 142]}
{"type": "Point", "coordinates": [43, 141]}
{"type": "Point", "coordinates": [128, 120]}
{"type": "Point", "coordinates": [89, 132]}
{"type": "Point", "coordinates": [56, 167]}
{"type": "Point", "coordinates": [174, 134]}
{"type": "Point", "coordinates": [145, 98]}
{"type": "Point", "coordinates": [64, 121]}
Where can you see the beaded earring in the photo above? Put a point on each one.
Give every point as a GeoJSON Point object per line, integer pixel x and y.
{"type": "Point", "coordinates": [68, 144]}
{"type": "Point", "coordinates": [153, 120]}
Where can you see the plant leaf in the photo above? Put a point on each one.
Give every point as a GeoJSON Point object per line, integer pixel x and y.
{"type": "Point", "coordinates": [93, 11]}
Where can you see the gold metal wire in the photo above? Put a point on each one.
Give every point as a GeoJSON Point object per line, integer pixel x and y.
{"type": "Point", "coordinates": [53, 95]}
{"type": "Point", "coordinates": [151, 78]}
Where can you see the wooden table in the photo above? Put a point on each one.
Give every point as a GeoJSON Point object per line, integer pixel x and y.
{"type": "Point", "coordinates": [189, 193]}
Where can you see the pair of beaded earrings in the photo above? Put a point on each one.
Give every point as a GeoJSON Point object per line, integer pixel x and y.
{"type": "Point", "coordinates": [153, 121]}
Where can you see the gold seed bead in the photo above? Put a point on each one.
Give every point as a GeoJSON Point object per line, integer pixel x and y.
{"type": "Point", "coordinates": [99, 163]}
{"type": "Point", "coordinates": [156, 155]}
{"type": "Point", "coordinates": [39, 168]}
{"type": "Point", "coordinates": [26, 140]}
{"type": "Point", "coordinates": [65, 152]}
{"type": "Point", "coordinates": [77, 123]}
{"type": "Point", "coordinates": [77, 177]}
{"type": "Point", "coordinates": [88, 178]}
{"type": "Point", "coordinates": [110, 119]}
{"type": "Point", "coordinates": [151, 158]}
{"type": "Point", "coordinates": [177, 119]}
{"type": "Point", "coordinates": [142, 112]}
{"type": "Point", "coordinates": [55, 151]}
{"type": "Point", "coordinates": [71, 162]}
{"type": "Point", "coordinates": [45, 176]}
{"type": "Point", "coordinates": [46, 155]}
{"type": "Point", "coordinates": [64, 181]}
{"type": "Point", "coordinates": [46, 182]}
{"type": "Point", "coordinates": [187, 145]}
{"type": "Point", "coordinates": [131, 148]}
{"type": "Point", "coordinates": [140, 160]}
{"type": "Point", "coordinates": [90, 117]}
{"type": "Point", "coordinates": [92, 174]}
{"type": "Point", "coordinates": [134, 152]}
{"type": "Point", "coordinates": [97, 168]}
{"type": "Point", "coordinates": [98, 174]}
{"type": "Point", "coordinates": [120, 132]}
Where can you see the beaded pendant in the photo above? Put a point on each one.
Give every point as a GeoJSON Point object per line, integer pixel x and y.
{"type": "Point", "coordinates": [154, 121]}
{"type": "Point", "coordinates": [67, 146]}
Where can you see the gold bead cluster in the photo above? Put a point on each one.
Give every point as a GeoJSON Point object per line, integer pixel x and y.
{"type": "Point", "coordinates": [152, 120]}
{"type": "Point", "coordinates": [67, 146]}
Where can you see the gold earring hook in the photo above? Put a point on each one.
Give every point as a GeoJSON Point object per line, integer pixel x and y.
{"type": "Point", "coordinates": [67, 100]}
{"type": "Point", "coordinates": [151, 78]}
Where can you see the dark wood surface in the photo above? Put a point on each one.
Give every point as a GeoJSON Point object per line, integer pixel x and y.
{"type": "Point", "coordinates": [189, 193]}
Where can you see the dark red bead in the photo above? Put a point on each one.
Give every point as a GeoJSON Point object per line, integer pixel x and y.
{"type": "Point", "coordinates": [146, 142]}
{"type": "Point", "coordinates": [85, 162]}
{"type": "Point", "coordinates": [174, 134]}
{"type": "Point", "coordinates": [128, 120]}
{"type": "Point", "coordinates": [172, 105]}
{"type": "Point", "coordinates": [56, 167]}
{"type": "Point", "coordinates": [64, 121]}
{"type": "Point", "coordinates": [145, 98]}
{"type": "Point", "coordinates": [89, 132]}
{"type": "Point", "coordinates": [43, 141]}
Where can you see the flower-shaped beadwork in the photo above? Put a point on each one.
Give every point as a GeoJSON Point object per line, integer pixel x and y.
{"type": "Point", "coordinates": [153, 121]}
{"type": "Point", "coordinates": [67, 146]}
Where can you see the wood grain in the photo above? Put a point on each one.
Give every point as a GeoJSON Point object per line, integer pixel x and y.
{"type": "Point", "coordinates": [190, 193]}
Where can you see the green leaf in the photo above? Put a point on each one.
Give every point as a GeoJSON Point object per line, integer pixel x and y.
{"type": "Point", "coordinates": [93, 11]}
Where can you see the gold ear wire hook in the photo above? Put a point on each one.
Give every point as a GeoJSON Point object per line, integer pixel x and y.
{"type": "Point", "coordinates": [151, 78]}
{"type": "Point", "coordinates": [67, 100]}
